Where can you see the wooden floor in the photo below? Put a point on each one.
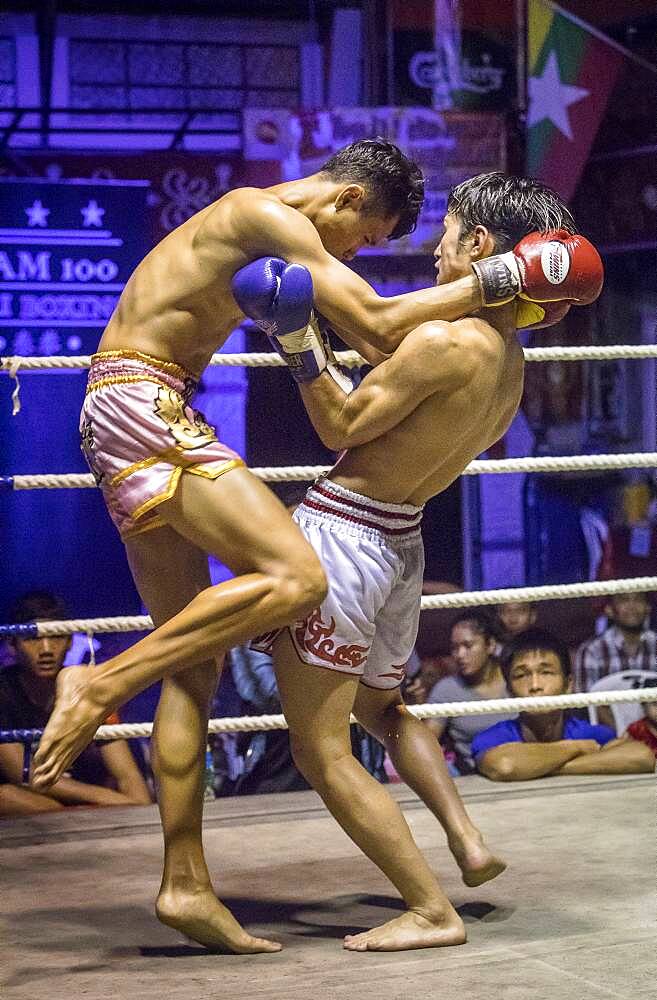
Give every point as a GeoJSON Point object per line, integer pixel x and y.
{"type": "Point", "coordinates": [572, 919]}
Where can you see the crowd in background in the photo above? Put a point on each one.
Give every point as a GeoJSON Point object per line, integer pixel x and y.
{"type": "Point", "coordinates": [474, 655]}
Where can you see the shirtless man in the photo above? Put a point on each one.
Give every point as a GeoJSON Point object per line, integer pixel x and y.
{"type": "Point", "coordinates": [177, 494]}
{"type": "Point", "coordinates": [447, 394]}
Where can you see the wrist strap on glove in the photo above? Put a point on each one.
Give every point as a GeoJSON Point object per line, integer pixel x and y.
{"type": "Point", "coordinates": [499, 278]}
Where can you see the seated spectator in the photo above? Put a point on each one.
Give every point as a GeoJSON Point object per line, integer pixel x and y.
{"type": "Point", "coordinates": [536, 744]}
{"type": "Point", "coordinates": [514, 617]}
{"type": "Point", "coordinates": [105, 774]}
{"type": "Point", "coordinates": [258, 762]}
{"type": "Point", "coordinates": [422, 674]}
{"type": "Point", "coordinates": [478, 677]}
{"type": "Point", "coordinates": [626, 644]}
{"type": "Point", "coordinates": [645, 729]}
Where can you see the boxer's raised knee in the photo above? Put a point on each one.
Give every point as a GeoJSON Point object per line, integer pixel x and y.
{"type": "Point", "coordinates": [300, 585]}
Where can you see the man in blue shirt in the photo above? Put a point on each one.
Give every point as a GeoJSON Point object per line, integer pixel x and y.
{"type": "Point", "coordinates": [537, 744]}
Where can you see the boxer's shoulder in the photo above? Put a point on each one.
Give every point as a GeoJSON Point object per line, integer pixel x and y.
{"type": "Point", "coordinates": [464, 345]}
{"type": "Point", "coordinates": [261, 209]}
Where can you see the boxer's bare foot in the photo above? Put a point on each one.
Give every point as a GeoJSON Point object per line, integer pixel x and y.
{"type": "Point", "coordinates": [477, 863]}
{"type": "Point", "coordinates": [202, 917]}
{"type": "Point", "coordinates": [74, 720]}
{"type": "Point", "coordinates": [411, 930]}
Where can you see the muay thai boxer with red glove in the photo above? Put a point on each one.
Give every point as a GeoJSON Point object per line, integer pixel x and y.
{"type": "Point", "coordinates": [176, 493]}
{"type": "Point", "coordinates": [448, 392]}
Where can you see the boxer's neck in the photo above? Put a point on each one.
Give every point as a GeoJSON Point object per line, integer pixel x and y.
{"type": "Point", "coordinates": [311, 196]}
{"type": "Point", "coordinates": [501, 318]}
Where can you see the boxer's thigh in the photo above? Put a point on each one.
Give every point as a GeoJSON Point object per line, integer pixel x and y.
{"type": "Point", "coordinates": [237, 519]}
{"type": "Point", "coordinates": [168, 570]}
{"type": "Point", "coordinates": [317, 702]}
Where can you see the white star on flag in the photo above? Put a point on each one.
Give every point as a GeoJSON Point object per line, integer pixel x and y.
{"type": "Point", "coordinates": [550, 98]}
{"type": "Point", "coordinates": [37, 215]}
{"type": "Point", "coordinates": [93, 214]}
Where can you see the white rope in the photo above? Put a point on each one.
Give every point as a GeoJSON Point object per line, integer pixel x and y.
{"type": "Point", "coordinates": [615, 352]}
{"type": "Point", "coordinates": [548, 592]}
{"type": "Point", "coordinates": [295, 473]}
{"type": "Point", "coordinates": [65, 481]}
{"type": "Point", "coordinates": [465, 599]}
{"type": "Point", "coordinates": [446, 710]}
{"type": "Point", "coordinates": [94, 626]}
{"type": "Point", "coordinates": [267, 359]}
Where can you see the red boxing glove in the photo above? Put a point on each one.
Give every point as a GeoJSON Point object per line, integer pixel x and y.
{"type": "Point", "coordinates": [543, 267]}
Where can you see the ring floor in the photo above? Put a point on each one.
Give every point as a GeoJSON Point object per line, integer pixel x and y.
{"type": "Point", "coordinates": [573, 918]}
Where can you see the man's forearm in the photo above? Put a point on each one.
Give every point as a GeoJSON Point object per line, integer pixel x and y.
{"type": "Point", "coordinates": [398, 315]}
{"type": "Point", "coordinates": [72, 792]}
{"type": "Point", "coordinates": [629, 757]}
{"type": "Point", "coordinates": [324, 401]}
{"type": "Point", "coordinates": [524, 761]}
{"type": "Point", "coordinates": [387, 319]}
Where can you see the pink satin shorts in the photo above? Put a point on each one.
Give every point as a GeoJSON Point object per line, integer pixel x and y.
{"type": "Point", "coordinates": [139, 433]}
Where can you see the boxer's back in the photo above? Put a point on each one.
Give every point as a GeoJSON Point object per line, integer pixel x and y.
{"type": "Point", "coordinates": [430, 447]}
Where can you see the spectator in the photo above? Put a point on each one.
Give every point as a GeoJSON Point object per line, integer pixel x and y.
{"type": "Point", "coordinates": [645, 729]}
{"type": "Point", "coordinates": [537, 744]}
{"type": "Point", "coordinates": [105, 774]}
{"type": "Point", "coordinates": [514, 617]}
{"type": "Point", "coordinates": [422, 673]}
{"type": "Point", "coordinates": [252, 762]}
{"type": "Point", "coordinates": [626, 644]}
{"type": "Point", "coordinates": [478, 677]}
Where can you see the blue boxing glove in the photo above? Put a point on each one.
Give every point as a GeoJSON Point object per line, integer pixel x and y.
{"type": "Point", "coordinates": [279, 297]}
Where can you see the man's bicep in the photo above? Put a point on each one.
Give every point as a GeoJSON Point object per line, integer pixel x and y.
{"type": "Point", "coordinates": [390, 393]}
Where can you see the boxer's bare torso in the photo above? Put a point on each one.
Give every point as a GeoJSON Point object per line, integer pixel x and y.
{"type": "Point", "coordinates": [177, 304]}
{"type": "Point", "coordinates": [416, 421]}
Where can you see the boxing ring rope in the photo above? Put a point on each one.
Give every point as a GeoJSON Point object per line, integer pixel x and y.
{"type": "Point", "coordinates": [444, 710]}
{"type": "Point", "coordinates": [267, 359]}
{"type": "Point", "coordinates": [292, 473]}
{"type": "Point", "coordinates": [464, 599]}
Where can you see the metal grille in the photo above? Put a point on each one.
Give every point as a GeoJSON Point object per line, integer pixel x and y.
{"type": "Point", "coordinates": [175, 76]}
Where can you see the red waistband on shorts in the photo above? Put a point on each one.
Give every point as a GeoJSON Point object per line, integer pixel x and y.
{"type": "Point", "coordinates": [111, 367]}
{"type": "Point", "coordinates": [328, 498]}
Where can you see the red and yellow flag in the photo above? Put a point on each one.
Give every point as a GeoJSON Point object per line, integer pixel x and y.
{"type": "Point", "coordinates": [572, 70]}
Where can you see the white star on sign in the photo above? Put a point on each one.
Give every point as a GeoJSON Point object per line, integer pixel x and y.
{"type": "Point", "coordinates": [37, 215]}
{"type": "Point", "coordinates": [93, 214]}
{"type": "Point", "coordinates": [550, 98]}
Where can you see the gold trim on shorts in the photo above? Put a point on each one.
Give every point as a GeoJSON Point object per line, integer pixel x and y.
{"type": "Point", "coordinates": [118, 379]}
{"type": "Point", "coordinates": [198, 469]}
{"type": "Point", "coordinates": [170, 367]}
{"type": "Point", "coordinates": [171, 456]}
{"type": "Point", "coordinates": [152, 523]}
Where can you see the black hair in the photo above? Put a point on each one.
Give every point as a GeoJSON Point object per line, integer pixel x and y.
{"type": "Point", "coordinates": [394, 183]}
{"type": "Point", "coordinates": [37, 605]}
{"type": "Point", "coordinates": [536, 640]}
{"type": "Point", "coordinates": [481, 621]}
{"type": "Point", "coordinates": [509, 206]}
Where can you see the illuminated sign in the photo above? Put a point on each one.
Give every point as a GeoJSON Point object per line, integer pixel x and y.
{"type": "Point", "coordinates": [67, 249]}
